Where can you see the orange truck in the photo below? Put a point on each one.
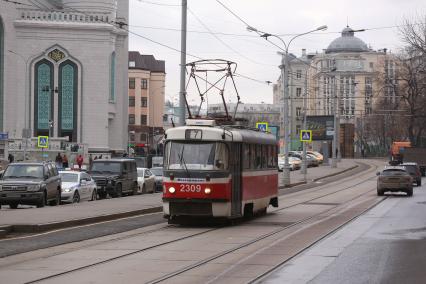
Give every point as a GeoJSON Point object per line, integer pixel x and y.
{"type": "Point", "coordinates": [397, 151]}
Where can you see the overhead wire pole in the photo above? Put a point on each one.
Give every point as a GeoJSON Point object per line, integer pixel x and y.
{"type": "Point", "coordinates": [182, 92]}
{"type": "Point", "coordinates": [304, 164]}
{"type": "Point", "coordinates": [284, 77]}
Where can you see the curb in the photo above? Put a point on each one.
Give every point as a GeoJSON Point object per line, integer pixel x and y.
{"type": "Point", "coordinates": [38, 228]}
{"type": "Point", "coordinates": [317, 179]}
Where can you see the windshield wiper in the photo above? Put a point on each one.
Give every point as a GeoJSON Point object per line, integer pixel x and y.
{"type": "Point", "coordinates": [182, 161]}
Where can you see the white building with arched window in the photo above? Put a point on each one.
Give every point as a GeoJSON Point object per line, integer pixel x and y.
{"type": "Point", "coordinates": [63, 71]}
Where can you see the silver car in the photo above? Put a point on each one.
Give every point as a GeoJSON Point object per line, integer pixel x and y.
{"type": "Point", "coordinates": [77, 186]}
{"type": "Point", "coordinates": [394, 179]}
{"type": "Point", "coordinates": [158, 172]}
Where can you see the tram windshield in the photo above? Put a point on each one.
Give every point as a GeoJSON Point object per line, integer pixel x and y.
{"type": "Point", "coordinates": [196, 156]}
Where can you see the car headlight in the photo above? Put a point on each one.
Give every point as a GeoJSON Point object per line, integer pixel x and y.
{"type": "Point", "coordinates": [68, 189]}
{"type": "Point", "coordinates": [172, 190]}
{"type": "Point", "coordinates": [207, 190]}
{"type": "Point", "coordinates": [33, 187]}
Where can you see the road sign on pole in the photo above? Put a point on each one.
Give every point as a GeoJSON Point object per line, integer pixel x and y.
{"type": "Point", "coordinates": [43, 141]}
{"type": "Point", "coordinates": [306, 135]}
{"type": "Point", "coordinates": [262, 126]}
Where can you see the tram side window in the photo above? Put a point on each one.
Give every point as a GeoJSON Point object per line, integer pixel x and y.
{"type": "Point", "coordinates": [252, 156]}
{"type": "Point", "coordinates": [258, 159]}
{"type": "Point", "coordinates": [246, 156]}
{"type": "Point", "coordinates": [270, 156]}
{"type": "Point", "coordinates": [264, 156]}
{"type": "Point", "coordinates": [275, 156]}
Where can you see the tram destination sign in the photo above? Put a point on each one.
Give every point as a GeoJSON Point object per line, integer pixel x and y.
{"type": "Point", "coordinates": [322, 126]}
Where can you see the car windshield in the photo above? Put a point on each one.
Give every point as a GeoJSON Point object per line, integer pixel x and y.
{"type": "Point", "coordinates": [157, 172]}
{"type": "Point", "coordinates": [23, 171]}
{"type": "Point", "coordinates": [112, 167]}
{"type": "Point", "coordinates": [69, 177]}
{"type": "Point", "coordinates": [197, 156]}
{"type": "Point", "coordinates": [394, 172]}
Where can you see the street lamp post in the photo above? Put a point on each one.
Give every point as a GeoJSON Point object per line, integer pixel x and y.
{"type": "Point", "coordinates": [284, 77]}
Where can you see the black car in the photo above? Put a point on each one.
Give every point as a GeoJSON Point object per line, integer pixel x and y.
{"type": "Point", "coordinates": [35, 183]}
{"type": "Point", "coordinates": [114, 177]}
{"type": "Point", "coordinates": [414, 170]}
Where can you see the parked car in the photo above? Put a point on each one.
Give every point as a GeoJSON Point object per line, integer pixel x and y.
{"type": "Point", "coordinates": [158, 173]}
{"type": "Point", "coordinates": [146, 181]}
{"type": "Point", "coordinates": [394, 178]}
{"type": "Point", "coordinates": [318, 155]}
{"type": "Point", "coordinates": [414, 170]}
{"type": "Point", "coordinates": [77, 186]}
{"type": "Point", "coordinates": [114, 177]}
{"type": "Point", "coordinates": [312, 161]}
{"type": "Point", "coordinates": [35, 183]}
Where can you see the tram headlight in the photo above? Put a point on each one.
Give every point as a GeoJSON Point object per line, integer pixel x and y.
{"type": "Point", "coordinates": [172, 190]}
{"type": "Point", "coordinates": [207, 190]}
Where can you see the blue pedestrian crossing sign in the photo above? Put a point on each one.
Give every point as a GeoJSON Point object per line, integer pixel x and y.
{"type": "Point", "coordinates": [305, 135]}
{"type": "Point", "coordinates": [43, 141]}
{"type": "Point", "coordinates": [262, 126]}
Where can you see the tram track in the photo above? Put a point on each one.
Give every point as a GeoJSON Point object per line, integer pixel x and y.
{"type": "Point", "coordinates": [216, 256]}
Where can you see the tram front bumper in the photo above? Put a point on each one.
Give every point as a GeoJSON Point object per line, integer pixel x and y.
{"type": "Point", "coordinates": [196, 207]}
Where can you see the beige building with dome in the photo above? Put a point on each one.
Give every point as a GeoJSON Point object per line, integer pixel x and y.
{"type": "Point", "coordinates": [63, 71]}
{"type": "Point", "coordinates": [350, 74]}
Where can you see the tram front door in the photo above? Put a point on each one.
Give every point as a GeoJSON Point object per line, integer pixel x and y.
{"type": "Point", "coordinates": [236, 158]}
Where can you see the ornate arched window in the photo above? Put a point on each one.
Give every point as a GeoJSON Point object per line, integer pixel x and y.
{"type": "Point", "coordinates": [112, 79]}
{"type": "Point", "coordinates": [67, 104]}
{"type": "Point", "coordinates": [43, 97]}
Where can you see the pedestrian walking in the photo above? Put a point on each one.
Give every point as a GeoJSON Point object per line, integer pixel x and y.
{"type": "Point", "coordinates": [58, 160]}
{"type": "Point", "coordinates": [11, 158]}
{"type": "Point", "coordinates": [65, 161]}
{"type": "Point", "coordinates": [79, 161]}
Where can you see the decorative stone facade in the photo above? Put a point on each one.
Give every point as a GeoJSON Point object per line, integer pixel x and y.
{"type": "Point", "coordinates": [65, 71]}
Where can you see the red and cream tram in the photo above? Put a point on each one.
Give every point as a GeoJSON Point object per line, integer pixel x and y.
{"type": "Point", "coordinates": [218, 171]}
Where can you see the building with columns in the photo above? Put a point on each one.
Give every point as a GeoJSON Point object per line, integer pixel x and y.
{"type": "Point", "coordinates": [348, 79]}
{"type": "Point", "coordinates": [63, 71]}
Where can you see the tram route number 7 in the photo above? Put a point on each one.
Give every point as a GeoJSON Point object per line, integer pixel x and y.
{"type": "Point", "coordinates": [190, 188]}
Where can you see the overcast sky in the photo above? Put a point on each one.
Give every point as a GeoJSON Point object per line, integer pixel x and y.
{"type": "Point", "coordinates": [160, 20]}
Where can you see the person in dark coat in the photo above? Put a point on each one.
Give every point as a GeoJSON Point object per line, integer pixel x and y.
{"type": "Point", "coordinates": [11, 158]}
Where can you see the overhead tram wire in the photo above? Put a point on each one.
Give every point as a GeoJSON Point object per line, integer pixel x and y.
{"type": "Point", "coordinates": [224, 43]}
{"type": "Point", "coordinates": [121, 25]}
{"type": "Point", "coordinates": [159, 4]}
{"type": "Point", "coordinates": [18, 3]}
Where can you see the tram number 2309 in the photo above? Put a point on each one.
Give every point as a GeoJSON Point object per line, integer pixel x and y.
{"type": "Point", "coordinates": [190, 188]}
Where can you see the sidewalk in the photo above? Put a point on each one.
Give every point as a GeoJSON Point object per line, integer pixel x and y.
{"type": "Point", "coordinates": [316, 173]}
{"type": "Point", "coordinates": [49, 218]}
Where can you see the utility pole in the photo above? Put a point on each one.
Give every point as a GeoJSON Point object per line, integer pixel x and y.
{"type": "Point", "coordinates": [305, 97]}
{"type": "Point", "coordinates": [334, 159]}
{"type": "Point", "coordinates": [284, 77]}
{"type": "Point", "coordinates": [182, 93]}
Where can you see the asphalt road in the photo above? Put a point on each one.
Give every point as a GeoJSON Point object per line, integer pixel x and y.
{"type": "Point", "coordinates": [21, 244]}
{"type": "Point", "coordinates": [386, 245]}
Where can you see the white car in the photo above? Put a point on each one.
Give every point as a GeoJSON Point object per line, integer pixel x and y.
{"type": "Point", "coordinates": [77, 186]}
{"type": "Point", "coordinates": [146, 181]}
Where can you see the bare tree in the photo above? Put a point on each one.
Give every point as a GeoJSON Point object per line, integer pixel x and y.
{"type": "Point", "coordinates": [412, 77]}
